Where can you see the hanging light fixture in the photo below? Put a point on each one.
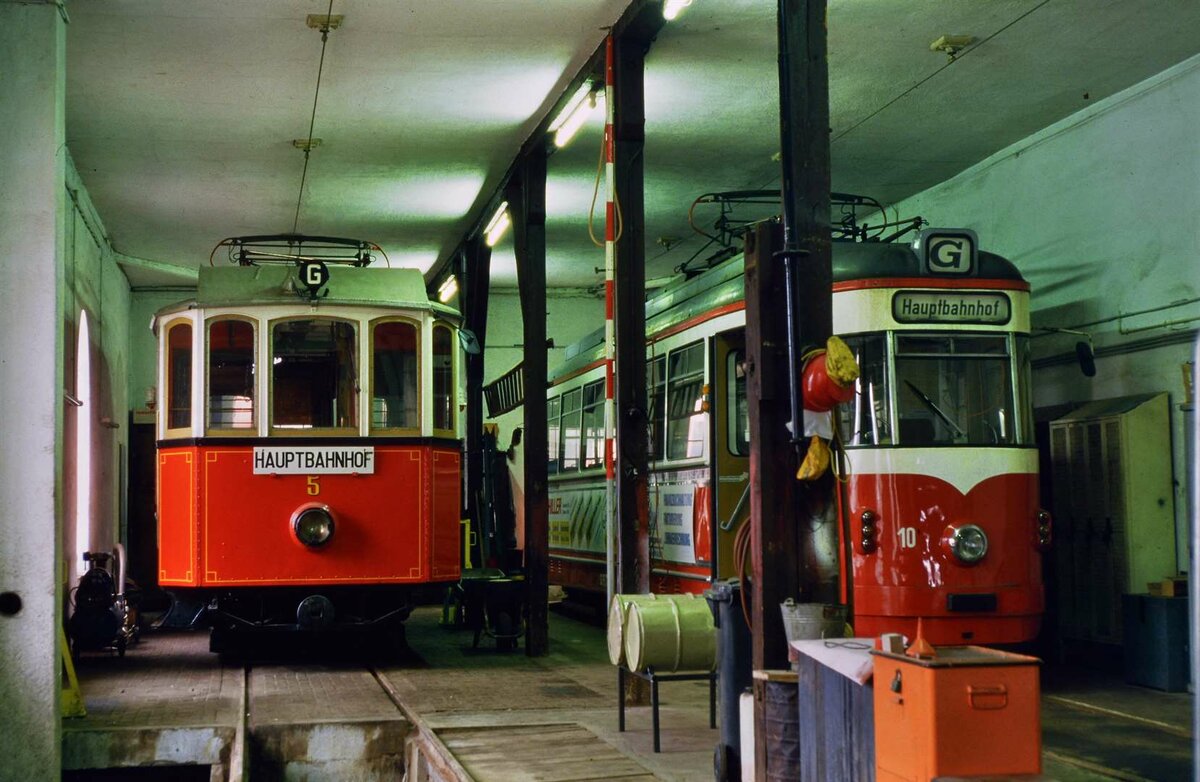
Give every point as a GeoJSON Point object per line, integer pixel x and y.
{"type": "Point", "coordinates": [497, 225]}
{"type": "Point", "coordinates": [672, 8]}
{"type": "Point", "coordinates": [571, 118]}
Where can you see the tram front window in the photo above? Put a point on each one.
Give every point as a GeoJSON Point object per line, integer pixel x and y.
{"type": "Point", "coordinates": [866, 419]}
{"type": "Point", "coordinates": [314, 377]}
{"type": "Point", "coordinates": [954, 389]}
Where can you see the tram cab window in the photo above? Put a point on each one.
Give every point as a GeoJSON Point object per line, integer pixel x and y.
{"type": "Point", "coordinates": [866, 419]}
{"type": "Point", "coordinates": [394, 373]}
{"type": "Point", "coordinates": [570, 437]}
{"type": "Point", "coordinates": [552, 438]}
{"type": "Point", "coordinates": [593, 424]}
{"type": "Point", "coordinates": [737, 405]}
{"type": "Point", "coordinates": [656, 392]}
{"type": "Point", "coordinates": [954, 389]}
{"type": "Point", "coordinates": [179, 376]}
{"type": "Point", "coordinates": [314, 377]}
{"type": "Point", "coordinates": [443, 379]}
{"type": "Point", "coordinates": [686, 424]}
{"type": "Point", "coordinates": [231, 348]}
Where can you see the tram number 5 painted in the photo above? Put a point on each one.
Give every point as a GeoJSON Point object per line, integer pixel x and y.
{"type": "Point", "coordinates": [908, 537]}
{"type": "Point", "coordinates": [314, 487]}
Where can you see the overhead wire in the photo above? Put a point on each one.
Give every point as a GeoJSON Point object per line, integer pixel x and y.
{"type": "Point", "coordinates": [312, 120]}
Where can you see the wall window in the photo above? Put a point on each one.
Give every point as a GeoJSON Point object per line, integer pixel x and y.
{"type": "Point", "coordinates": [593, 424]}
{"type": "Point", "coordinates": [314, 374]}
{"type": "Point", "coordinates": [179, 376]}
{"type": "Point", "coordinates": [686, 424]}
{"type": "Point", "coordinates": [394, 376]}
{"type": "Point", "coordinates": [230, 374]}
{"type": "Point", "coordinates": [552, 435]}
{"type": "Point", "coordinates": [656, 393]}
{"type": "Point", "coordinates": [866, 420]}
{"type": "Point", "coordinates": [443, 378]}
{"type": "Point", "coordinates": [737, 406]}
{"type": "Point", "coordinates": [570, 437]}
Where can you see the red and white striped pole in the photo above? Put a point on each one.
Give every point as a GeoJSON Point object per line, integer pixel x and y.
{"type": "Point", "coordinates": [610, 251]}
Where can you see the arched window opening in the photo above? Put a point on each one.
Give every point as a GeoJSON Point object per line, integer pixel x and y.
{"type": "Point", "coordinates": [394, 376]}
{"type": "Point", "coordinates": [314, 374]}
{"type": "Point", "coordinates": [230, 374]}
{"type": "Point", "coordinates": [443, 379]}
{"type": "Point", "coordinates": [83, 443]}
{"type": "Point", "coordinates": [179, 376]}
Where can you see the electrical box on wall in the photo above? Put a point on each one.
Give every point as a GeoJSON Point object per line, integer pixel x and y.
{"type": "Point", "coordinates": [1114, 509]}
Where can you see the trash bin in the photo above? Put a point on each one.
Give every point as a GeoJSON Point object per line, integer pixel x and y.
{"type": "Point", "coordinates": [734, 665]}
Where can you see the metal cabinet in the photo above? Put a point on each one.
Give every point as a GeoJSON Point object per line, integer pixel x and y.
{"type": "Point", "coordinates": [1113, 508]}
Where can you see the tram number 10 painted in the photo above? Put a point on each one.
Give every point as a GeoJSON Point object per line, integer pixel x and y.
{"type": "Point", "coordinates": [907, 536]}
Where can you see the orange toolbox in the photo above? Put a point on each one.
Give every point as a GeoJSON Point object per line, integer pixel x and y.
{"type": "Point", "coordinates": [967, 711]}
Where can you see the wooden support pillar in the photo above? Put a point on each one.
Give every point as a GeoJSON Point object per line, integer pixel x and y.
{"type": "Point", "coordinates": [526, 194]}
{"type": "Point", "coordinates": [632, 462]}
{"type": "Point", "coordinates": [476, 278]}
{"type": "Point", "coordinates": [788, 311]}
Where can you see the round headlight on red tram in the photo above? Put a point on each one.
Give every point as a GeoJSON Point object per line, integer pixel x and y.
{"type": "Point", "coordinates": [313, 525]}
{"type": "Point", "coordinates": [967, 542]}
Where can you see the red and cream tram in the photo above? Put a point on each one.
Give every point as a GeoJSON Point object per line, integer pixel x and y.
{"type": "Point", "coordinates": [308, 452]}
{"type": "Point", "coordinates": [937, 515]}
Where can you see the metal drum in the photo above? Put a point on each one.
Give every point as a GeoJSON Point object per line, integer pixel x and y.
{"type": "Point", "coordinates": [618, 612]}
{"type": "Point", "coordinates": [668, 635]}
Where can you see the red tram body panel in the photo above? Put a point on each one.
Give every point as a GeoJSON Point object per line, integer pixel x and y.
{"type": "Point", "coordinates": [242, 536]}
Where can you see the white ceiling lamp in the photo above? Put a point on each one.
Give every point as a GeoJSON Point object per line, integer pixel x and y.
{"type": "Point", "coordinates": [574, 114]}
{"type": "Point", "coordinates": [497, 225]}
{"type": "Point", "coordinates": [672, 8]}
{"type": "Point", "coordinates": [447, 289]}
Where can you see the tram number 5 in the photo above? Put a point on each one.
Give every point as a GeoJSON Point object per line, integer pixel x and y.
{"type": "Point", "coordinates": [314, 487]}
{"type": "Point", "coordinates": [908, 537]}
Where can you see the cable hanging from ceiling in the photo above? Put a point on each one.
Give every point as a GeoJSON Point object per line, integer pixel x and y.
{"type": "Point", "coordinates": [312, 120]}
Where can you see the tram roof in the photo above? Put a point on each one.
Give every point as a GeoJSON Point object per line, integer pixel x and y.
{"type": "Point", "coordinates": [723, 284]}
{"type": "Point", "coordinates": [250, 286]}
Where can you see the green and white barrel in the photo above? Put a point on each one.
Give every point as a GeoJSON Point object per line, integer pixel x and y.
{"type": "Point", "coordinates": [668, 635]}
{"type": "Point", "coordinates": [618, 612]}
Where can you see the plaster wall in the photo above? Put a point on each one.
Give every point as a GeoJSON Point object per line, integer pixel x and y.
{"type": "Point", "coordinates": [95, 284]}
{"type": "Point", "coordinates": [1098, 211]}
{"type": "Point", "coordinates": [32, 162]}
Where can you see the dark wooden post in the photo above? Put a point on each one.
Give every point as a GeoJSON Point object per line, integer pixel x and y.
{"type": "Point", "coordinates": [789, 277]}
{"type": "Point", "coordinates": [632, 459]}
{"type": "Point", "coordinates": [526, 194]}
{"type": "Point", "coordinates": [476, 277]}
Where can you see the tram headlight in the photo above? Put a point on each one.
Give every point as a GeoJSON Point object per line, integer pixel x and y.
{"type": "Point", "coordinates": [313, 525]}
{"type": "Point", "coordinates": [969, 543]}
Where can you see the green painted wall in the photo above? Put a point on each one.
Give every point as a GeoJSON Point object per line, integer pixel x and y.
{"type": "Point", "coordinates": [1099, 212]}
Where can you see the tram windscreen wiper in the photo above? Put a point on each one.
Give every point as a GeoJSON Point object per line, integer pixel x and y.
{"type": "Point", "coordinates": [930, 404]}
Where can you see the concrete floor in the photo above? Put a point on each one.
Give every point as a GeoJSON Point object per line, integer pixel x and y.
{"type": "Point", "coordinates": [501, 714]}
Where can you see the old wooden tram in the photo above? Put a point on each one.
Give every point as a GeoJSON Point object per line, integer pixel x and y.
{"type": "Point", "coordinates": [308, 446]}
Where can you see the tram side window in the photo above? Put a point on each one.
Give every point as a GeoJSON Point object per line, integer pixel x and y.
{"type": "Point", "coordinates": [552, 439]}
{"type": "Point", "coordinates": [593, 424]}
{"type": "Point", "coordinates": [570, 437]}
{"type": "Point", "coordinates": [866, 419]}
{"type": "Point", "coordinates": [686, 427]}
{"type": "Point", "coordinates": [954, 389]}
{"type": "Point", "coordinates": [231, 374]}
{"type": "Point", "coordinates": [314, 374]}
{"type": "Point", "coordinates": [656, 391]}
{"type": "Point", "coordinates": [394, 377]}
{"type": "Point", "coordinates": [737, 405]}
{"type": "Point", "coordinates": [443, 379]}
{"type": "Point", "coordinates": [179, 376]}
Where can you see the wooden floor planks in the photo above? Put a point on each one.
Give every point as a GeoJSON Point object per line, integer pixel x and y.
{"type": "Point", "coordinates": [554, 752]}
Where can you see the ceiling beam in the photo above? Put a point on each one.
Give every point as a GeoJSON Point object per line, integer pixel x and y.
{"type": "Point", "coordinates": [160, 267]}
